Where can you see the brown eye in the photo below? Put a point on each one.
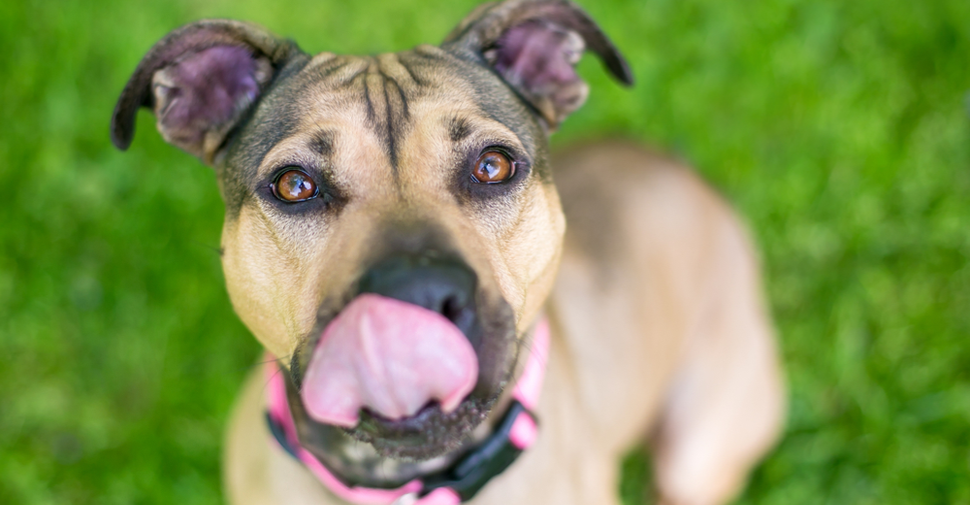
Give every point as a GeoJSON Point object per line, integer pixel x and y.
{"type": "Point", "coordinates": [294, 186]}
{"type": "Point", "coordinates": [493, 167]}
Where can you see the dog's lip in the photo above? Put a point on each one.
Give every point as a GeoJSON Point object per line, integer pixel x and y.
{"type": "Point", "coordinates": [374, 423]}
{"type": "Point", "coordinates": [427, 434]}
{"type": "Point", "coordinates": [413, 422]}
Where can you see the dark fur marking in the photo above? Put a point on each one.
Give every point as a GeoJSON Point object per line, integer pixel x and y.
{"type": "Point", "coordinates": [381, 128]}
{"type": "Point", "coordinates": [418, 64]}
{"type": "Point", "coordinates": [349, 81]}
{"type": "Point", "coordinates": [322, 143]}
{"type": "Point", "coordinates": [367, 101]}
{"type": "Point", "coordinates": [458, 129]}
{"type": "Point", "coordinates": [414, 77]}
{"type": "Point", "coordinates": [389, 133]}
{"type": "Point", "coordinates": [405, 111]}
{"type": "Point", "coordinates": [330, 69]}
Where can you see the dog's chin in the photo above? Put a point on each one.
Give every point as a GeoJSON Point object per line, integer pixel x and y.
{"type": "Point", "coordinates": [428, 434]}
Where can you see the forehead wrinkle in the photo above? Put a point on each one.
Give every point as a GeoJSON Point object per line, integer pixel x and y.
{"type": "Point", "coordinates": [343, 74]}
{"type": "Point", "coordinates": [325, 62]}
{"type": "Point", "coordinates": [395, 67]}
{"type": "Point", "coordinates": [381, 84]}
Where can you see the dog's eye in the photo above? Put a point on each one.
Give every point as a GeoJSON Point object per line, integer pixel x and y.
{"type": "Point", "coordinates": [493, 167]}
{"type": "Point", "coordinates": [294, 186]}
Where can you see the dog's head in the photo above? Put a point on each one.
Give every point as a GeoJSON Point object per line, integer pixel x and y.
{"type": "Point", "coordinates": [391, 228]}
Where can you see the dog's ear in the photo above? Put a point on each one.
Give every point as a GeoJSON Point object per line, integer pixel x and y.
{"type": "Point", "coordinates": [534, 45]}
{"type": "Point", "coordinates": [200, 80]}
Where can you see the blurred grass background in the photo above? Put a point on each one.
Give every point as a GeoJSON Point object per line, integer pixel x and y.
{"type": "Point", "coordinates": [839, 129]}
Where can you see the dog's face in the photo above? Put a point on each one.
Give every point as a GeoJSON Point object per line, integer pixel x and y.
{"type": "Point", "coordinates": [390, 147]}
{"type": "Point", "coordinates": [420, 177]}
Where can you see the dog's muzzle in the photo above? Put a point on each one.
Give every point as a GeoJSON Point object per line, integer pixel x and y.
{"type": "Point", "coordinates": [402, 344]}
{"type": "Point", "coordinates": [456, 484]}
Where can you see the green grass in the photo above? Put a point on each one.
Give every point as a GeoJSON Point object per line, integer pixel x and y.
{"type": "Point", "coordinates": [839, 129]}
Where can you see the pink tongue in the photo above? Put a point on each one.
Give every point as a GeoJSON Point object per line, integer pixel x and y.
{"type": "Point", "coordinates": [390, 356]}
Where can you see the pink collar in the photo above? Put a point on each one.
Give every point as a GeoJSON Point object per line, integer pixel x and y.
{"type": "Point", "coordinates": [520, 432]}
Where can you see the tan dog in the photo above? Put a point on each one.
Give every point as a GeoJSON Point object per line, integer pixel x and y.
{"type": "Point", "coordinates": [418, 186]}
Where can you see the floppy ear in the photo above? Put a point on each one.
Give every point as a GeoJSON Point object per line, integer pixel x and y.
{"type": "Point", "coordinates": [534, 45]}
{"type": "Point", "coordinates": [200, 80]}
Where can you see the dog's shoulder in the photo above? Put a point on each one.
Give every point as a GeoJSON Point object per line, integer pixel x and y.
{"type": "Point", "coordinates": [623, 201]}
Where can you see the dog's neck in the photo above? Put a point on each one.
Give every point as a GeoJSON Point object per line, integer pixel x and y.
{"type": "Point", "coordinates": [358, 473]}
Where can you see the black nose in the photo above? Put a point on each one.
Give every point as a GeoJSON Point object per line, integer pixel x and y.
{"type": "Point", "coordinates": [444, 285]}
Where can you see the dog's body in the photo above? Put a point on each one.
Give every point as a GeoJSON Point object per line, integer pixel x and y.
{"type": "Point", "coordinates": [352, 182]}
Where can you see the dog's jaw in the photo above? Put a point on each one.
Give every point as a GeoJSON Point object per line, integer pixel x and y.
{"type": "Point", "coordinates": [428, 434]}
{"type": "Point", "coordinates": [401, 449]}
{"type": "Point", "coordinates": [363, 464]}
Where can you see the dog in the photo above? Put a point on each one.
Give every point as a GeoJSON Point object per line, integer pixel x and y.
{"type": "Point", "coordinates": [396, 238]}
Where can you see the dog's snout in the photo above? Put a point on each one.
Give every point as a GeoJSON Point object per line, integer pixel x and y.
{"type": "Point", "coordinates": [446, 286]}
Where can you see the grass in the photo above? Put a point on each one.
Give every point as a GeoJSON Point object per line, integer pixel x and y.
{"type": "Point", "coordinates": [839, 129]}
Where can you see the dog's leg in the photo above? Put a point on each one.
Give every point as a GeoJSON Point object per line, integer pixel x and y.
{"type": "Point", "coordinates": [725, 405]}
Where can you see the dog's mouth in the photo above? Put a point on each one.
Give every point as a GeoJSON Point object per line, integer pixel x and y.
{"type": "Point", "coordinates": [389, 357]}
{"type": "Point", "coordinates": [402, 378]}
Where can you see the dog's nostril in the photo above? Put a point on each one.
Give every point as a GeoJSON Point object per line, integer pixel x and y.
{"type": "Point", "coordinates": [452, 308]}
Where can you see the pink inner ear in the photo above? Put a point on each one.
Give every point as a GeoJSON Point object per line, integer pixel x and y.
{"type": "Point", "coordinates": [538, 55]}
{"type": "Point", "coordinates": [207, 88]}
